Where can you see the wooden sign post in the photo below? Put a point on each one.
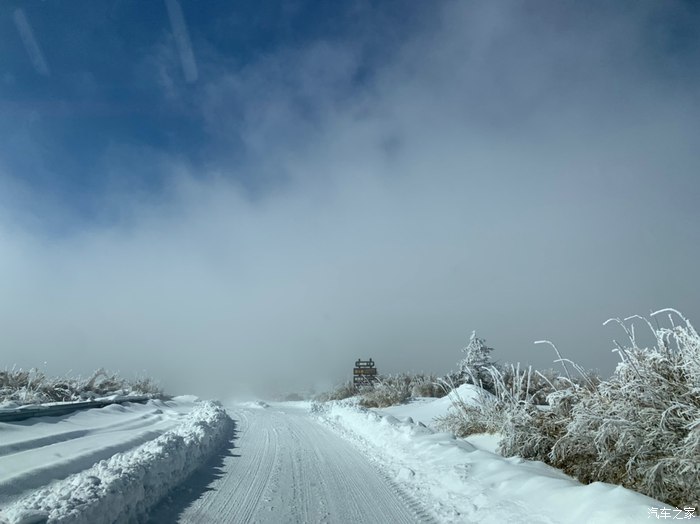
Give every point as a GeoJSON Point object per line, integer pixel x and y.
{"type": "Point", "coordinates": [364, 373]}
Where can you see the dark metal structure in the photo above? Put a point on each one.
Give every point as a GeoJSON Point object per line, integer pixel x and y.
{"type": "Point", "coordinates": [364, 373]}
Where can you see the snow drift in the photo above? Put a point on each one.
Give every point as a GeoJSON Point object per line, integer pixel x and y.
{"type": "Point", "coordinates": [128, 484]}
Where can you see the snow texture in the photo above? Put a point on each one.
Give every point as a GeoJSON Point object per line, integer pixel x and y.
{"type": "Point", "coordinates": [128, 484]}
{"type": "Point", "coordinates": [469, 484]}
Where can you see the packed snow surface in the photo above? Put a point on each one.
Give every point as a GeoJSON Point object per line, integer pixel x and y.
{"type": "Point", "coordinates": [285, 467]}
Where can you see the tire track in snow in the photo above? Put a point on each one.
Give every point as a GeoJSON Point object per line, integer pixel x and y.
{"type": "Point", "coordinates": [258, 474]}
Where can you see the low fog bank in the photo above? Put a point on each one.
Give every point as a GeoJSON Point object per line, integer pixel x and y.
{"type": "Point", "coordinates": [497, 174]}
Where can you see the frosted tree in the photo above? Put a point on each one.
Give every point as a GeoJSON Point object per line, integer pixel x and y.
{"type": "Point", "coordinates": [476, 362]}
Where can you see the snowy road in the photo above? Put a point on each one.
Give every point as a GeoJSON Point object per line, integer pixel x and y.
{"type": "Point", "coordinates": [183, 461]}
{"type": "Point", "coordinates": [285, 467]}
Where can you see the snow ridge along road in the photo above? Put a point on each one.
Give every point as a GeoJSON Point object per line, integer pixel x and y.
{"type": "Point", "coordinates": [288, 468]}
{"type": "Point", "coordinates": [161, 444]}
{"type": "Point", "coordinates": [460, 482]}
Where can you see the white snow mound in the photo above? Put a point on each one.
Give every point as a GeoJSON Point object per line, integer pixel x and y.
{"type": "Point", "coordinates": [128, 484]}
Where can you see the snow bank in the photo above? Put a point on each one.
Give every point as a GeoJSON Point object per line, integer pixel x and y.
{"type": "Point", "coordinates": [470, 484]}
{"type": "Point", "coordinates": [128, 484]}
{"type": "Point", "coordinates": [427, 409]}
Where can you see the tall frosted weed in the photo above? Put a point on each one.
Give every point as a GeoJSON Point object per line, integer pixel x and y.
{"type": "Point", "coordinates": [33, 386]}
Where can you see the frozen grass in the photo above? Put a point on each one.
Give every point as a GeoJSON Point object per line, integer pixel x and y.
{"type": "Point", "coordinates": [469, 416]}
{"type": "Point", "coordinates": [640, 428]}
{"type": "Point", "coordinates": [18, 386]}
{"type": "Point", "coordinates": [389, 390]}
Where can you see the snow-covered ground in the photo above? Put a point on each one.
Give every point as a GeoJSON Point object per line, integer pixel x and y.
{"type": "Point", "coordinates": [285, 467]}
{"type": "Point", "coordinates": [116, 461]}
{"type": "Point", "coordinates": [464, 480]}
{"type": "Point", "coordinates": [425, 410]}
{"type": "Point", "coordinates": [290, 462]}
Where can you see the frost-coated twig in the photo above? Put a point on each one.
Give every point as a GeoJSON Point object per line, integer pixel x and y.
{"type": "Point", "coordinates": [546, 380]}
{"type": "Point", "coordinates": [629, 332]}
{"type": "Point", "coordinates": [566, 370]}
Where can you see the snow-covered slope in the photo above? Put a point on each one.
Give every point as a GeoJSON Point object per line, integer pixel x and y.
{"type": "Point", "coordinates": [425, 410]}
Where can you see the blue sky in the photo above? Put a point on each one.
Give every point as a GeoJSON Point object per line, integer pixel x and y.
{"type": "Point", "coordinates": [114, 83]}
{"type": "Point", "coordinates": [294, 182]}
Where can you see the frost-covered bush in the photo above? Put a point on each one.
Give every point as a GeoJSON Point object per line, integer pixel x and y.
{"type": "Point", "coordinates": [538, 407]}
{"type": "Point", "coordinates": [484, 414]}
{"type": "Point", "coordinates": [530, 430]}
{"type": "Point", "coordinates": [641, 428]}
{"type": "Point", "coordinates": [427, 386]}
{"type": "Point", "coordinates": [340, 392]}
{"type": "Point", "coordinates": [388, 391]}
{"type": "Point", "coordinates": [515, 398]}
{"type": "Point", "coordinates": [512, 389]}
{"type": "Point", "coordinates": [33, 386]}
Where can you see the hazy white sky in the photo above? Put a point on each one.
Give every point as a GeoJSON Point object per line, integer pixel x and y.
{"type": "Point", "coordinates": [525, 169]}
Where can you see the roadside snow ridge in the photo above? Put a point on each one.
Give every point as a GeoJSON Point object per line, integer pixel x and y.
{"type": "Point", "coordinates": [128, 484]}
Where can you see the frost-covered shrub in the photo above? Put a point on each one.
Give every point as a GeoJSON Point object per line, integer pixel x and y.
{"type": "Point", "coordinates": [531, 430]}
{"type": "Point", "coordinates": [530, 386]}
{"type": "Point", "coordinates": [484, 414]}
{"type": "Point", "coordinates": [512, 390]}
{"type": "Point", "coordinates": [427, 386]}
{"type": "Point", "coordinates": [469, 421]}
{"type": "Point", "coordinates": [490, 411]}
{"type": "Point", "coordinates": [641, 428]}
{"type": "Point", "coordinates": [388, 391]}
{"type": "Point", "coordinates": [538, 408]}
{"type": "Point", "coordinates": [33, 386]}
{"type": "Point", "coordinates": [340, 392]}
